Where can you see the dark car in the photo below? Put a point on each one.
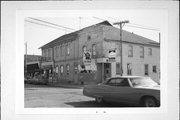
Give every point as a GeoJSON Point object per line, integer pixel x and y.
{"type": "Point", "coordinates": [128, 89]}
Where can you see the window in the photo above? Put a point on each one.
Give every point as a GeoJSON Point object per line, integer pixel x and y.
{"type": "Point", "coordinates": [130, 51]}
{"type": "Point", "coordinates": [45, 53]}
{"type": "Point", "coordinates": [61, 68]}
{"type": "Point", "coordinates": [49, 52]}
{"type": "Point", "coordinates": [118, 82]}
{"type": "Point", "coordinates": [60, 50]}
{"type": "Point", "coordinates": [84, 49]}
{"type": "Point", "coordinates": [154, 69]}
{"type": "Point", "coordinates": [118, 69]}
{"type": "Point", "coordinates": [146, 69]}
{"type": "Point", "coordinates": [89, 37]}
{"type": "Point", "coordinates": [93, 49]}
{"type": "Point", "coordinates": [129, 69]}
{"type": "Point", "coordinates": [68, 48]}
{"type": "Point", "coordinates": [56, 69]}
{"type": "Point", "coordinates": [67, 69]}
{"type": "Point", "coordinates": [56, 52]}
{"type": "Point", "coordinates": [63, 50]}
{"type": "Point", "coordinates": [141, 52]}
{"type": "Point", "coordinates": [149, 51]}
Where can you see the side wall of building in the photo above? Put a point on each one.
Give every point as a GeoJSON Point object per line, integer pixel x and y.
{"type": "Point", "coordinates": [112, 35]}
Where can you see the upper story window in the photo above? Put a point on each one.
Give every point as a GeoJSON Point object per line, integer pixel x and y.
{"type": "Point", "coordinates": [93, 49]}
{"type": "Point", "coordinates": [56, 52]}
{"type": "Point", "coordinates": [60, 50]}
{"type": "Point", "coordinates": [89, 37]}
{"type": "Point", "coordinates": [44, 53]}
{"type": "Point", "coordinates": [49, 52]}
{"type": "Point", "coordinates": [68, 49]}
{"type": "Point", "coordinates": [149, 51]}
{"type": "Point", "coordinates": [141, 52]}
{"type": "Point", "coordinates": [130, 51]}
{"type": "Point", "coordinates": [84, 49]}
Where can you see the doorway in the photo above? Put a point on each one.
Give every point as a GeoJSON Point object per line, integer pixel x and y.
{"type": "Point", "coordinates": [107, 70]}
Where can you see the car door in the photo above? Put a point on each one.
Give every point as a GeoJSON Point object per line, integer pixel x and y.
{"type": "Point", "coordinates": [123, 90]}
{"type": "Point", "coordinates": [110, 90]}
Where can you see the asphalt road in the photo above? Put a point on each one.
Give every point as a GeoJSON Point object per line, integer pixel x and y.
{"type": "Point", "coordinates": [45, 96]}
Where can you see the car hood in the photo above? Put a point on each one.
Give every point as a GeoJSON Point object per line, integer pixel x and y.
{"type": "Point", "coordinates": [149, 87]}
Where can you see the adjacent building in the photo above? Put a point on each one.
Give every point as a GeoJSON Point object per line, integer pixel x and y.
{"type": "Point", "coordinates": [92, 54]}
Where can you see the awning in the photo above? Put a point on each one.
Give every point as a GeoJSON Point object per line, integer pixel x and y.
{"type": "Point", "coordinates": [33, 68]}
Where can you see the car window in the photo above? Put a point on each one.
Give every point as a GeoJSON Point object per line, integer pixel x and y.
{"type": "Point", "coordinates": [112, 82]}
{"type": "Point", "coordinates": [122, 82]}
{"type": "Point", "coordinates": [118, 82]}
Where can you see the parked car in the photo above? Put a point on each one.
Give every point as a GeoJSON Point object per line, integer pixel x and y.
{"type": "Point", "coordinates": [137, 90]}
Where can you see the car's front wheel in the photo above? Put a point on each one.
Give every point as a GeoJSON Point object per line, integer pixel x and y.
{"type": "Point", "coordinates": [99, 99]}
{"type": "Point", "coordinates": [149, 102]}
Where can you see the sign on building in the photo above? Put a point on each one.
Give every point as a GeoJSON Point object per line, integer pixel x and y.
{"type": "Point", "coordinates": [87, 58]}
{"type": "Point", "coordinates": [112, 55]}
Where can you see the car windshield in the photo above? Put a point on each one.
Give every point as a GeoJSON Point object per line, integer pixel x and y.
{"type": "Point", "coordinates": [142, 81]}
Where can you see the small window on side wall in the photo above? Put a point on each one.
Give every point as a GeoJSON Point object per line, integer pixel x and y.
{"type": "Point", "coordinates": [154, 69]}
{"type": "Point", "coordinates": [149, 51]}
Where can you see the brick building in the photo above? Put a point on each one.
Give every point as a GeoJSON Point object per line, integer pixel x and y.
{"type": "Point", "coordinates": [92, 54]}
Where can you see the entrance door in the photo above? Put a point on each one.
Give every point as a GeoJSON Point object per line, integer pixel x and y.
{"type": "Point", "coordinates": [107, 70]}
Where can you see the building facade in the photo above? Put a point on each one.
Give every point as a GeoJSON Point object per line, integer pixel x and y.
{"type": "Point", "coordinates": [93, 54]}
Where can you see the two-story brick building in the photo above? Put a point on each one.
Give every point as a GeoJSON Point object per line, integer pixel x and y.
{"type": "Point", "coordinates": [92, 54]}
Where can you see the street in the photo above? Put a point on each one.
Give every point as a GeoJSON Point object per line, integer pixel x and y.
{"type": "Point", "coordinates": [48, 96]}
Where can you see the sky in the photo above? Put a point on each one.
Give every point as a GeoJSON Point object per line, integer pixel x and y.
{"type": "Point", "coordinates": [141, 22]}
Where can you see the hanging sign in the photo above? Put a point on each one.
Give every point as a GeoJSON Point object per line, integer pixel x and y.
{"type": "Point", "coordinates": [87, 58]}
{"type": "Point", "coordinates": [112, 55]}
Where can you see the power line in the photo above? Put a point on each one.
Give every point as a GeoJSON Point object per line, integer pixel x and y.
{"type": "Point", "coordinates": [51, 23]}
{"type": "Point", "coordinates": [99, 18]}
{"type": "Point", "coordinates": [139, 26]}
{"type": "Point", "coordinates": [142, 27]}
{"type": "Point", "coordinates": [45, 25]}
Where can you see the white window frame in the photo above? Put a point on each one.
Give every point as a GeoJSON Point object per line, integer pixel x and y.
{"type": "Point", "coordinates": [130, 51]}
{"type": "Point", "coordinates": [93, 49]}
{"type": "Point", "coordinates": [62, 69]}
{"type": "Point", "coordinates": [141, 51]}
{"type": "Point", "coordinates": [150, 51]}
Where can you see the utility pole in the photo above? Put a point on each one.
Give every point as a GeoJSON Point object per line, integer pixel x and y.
{"type": "Point", "coordinates": [121, 24]}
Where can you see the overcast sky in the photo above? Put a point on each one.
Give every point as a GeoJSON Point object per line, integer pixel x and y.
{"type": "Point", "coordinates": [38, 33]}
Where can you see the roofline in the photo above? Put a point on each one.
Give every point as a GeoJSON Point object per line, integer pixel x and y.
{"type": "Point", "coordinates": [154, 45]}
{"type": "Point", "coordinates": [76, 32]}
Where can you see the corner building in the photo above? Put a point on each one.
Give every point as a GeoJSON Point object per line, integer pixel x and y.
{"type": "Point", "coordinates": [140, 55]}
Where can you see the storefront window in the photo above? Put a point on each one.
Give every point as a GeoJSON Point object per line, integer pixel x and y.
{"type": "Point", "coordinates": [56, 69]}
{"type": "Point", "coordinates": [67, 68]}
{"type": "Point", "coordinates": [61, 69]}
